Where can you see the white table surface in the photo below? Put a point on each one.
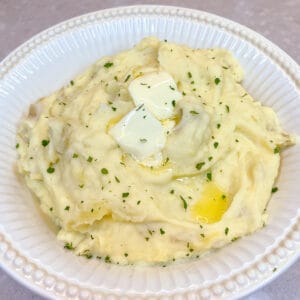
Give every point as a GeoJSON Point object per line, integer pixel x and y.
{"type": "Point", "coordinates": [277, 20]}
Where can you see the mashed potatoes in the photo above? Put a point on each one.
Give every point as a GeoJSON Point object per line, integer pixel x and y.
{"type": "Point", "coordinates": [200, 177]}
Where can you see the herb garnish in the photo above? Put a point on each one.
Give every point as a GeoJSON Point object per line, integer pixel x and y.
{"type": "Point", "coordinates": [226, 230]}
{"type": "Point", "coordinates": [69, 246]}
{"type": "Point", "coordinates": [183, 202]}
{"type": "Point", "coordinates": [75, 155]}
{"type": "Point", "coordinates": [274, 189]}
{"type": "Point", "coordinates": [173, 103]}
{"type": "Point", "coordinates": [227, 108]}
{"type": "Point", "coordinates": [143, 140]}
{"type": "Point", "coordinates": [161, 231]}
{"type": "Point", "coordinates": [45, 142]}
{"type": "Point", "coordinates": [67, 208]}
{"type": "Point", "coordinates": [172, 88]}
{"type": "Point", "coordinates": [193, 112]}
{"type": "Point", "coordinates": [90, 159]}
{"type": "Point", "coordinates": [209, 176]}
{"type": "Point", "coordinates": [200, 165]}
{"type": "Point", "coordinates": [104, 171]}
{"type": "Point", "coordinates": [108, 65]}
{"type": "Point", "coordinates": [189, 75]}
{"type": "Point", "coordinates": [51, 170]}
{"type": "Point", "coordinates": [17, 146]}
{"type": "Point", "coordinates": [117, 179]}
{"type": "Point", "coordinates": [127, 78]}
{"type": "Point", "coordinates": [277, 149]}
{"type": "Point", "coordinates": [216, 144]}
{"type": "Point", "coordinates": [125, 195]}
{"type": "Point", "coordinates": [217, 81]}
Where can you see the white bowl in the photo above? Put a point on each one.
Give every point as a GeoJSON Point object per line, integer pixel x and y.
{"type": "Point", "coordinates": [28, 247]}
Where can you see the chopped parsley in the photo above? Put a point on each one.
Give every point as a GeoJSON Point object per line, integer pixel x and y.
{"type": "Point", "coordinates": [67, 208]}
{"type": "Point", "coordinates": [90, 159]}
{"type": "Point", "coordinates": [189, 75]}
{"type": "Point", "coordinates": [172, 192]}
{"type": "Point", "coordinates": [51, 170]}
{"type": "Point", "coordinates": [209, 176]}
{"type": "Point", "coordinates": [113, 108]}
{"type": "Point", "coordinates": [193, 112]}
{"type": "Point", "coordinates": [161, 231]}
{"type": "Point", "coordinates": [226, 230]}
{"type": "Point", "coordinates": [225, 68]}
{"type": "Point", "coordinates": [274, 189]}
{"type": "Point", "coordinates": [127, 78]}
{"type": "Point", "coordinates": [139, 107]}
{"type": "Point", "coordinates": [216, 144]}
{"type": "Point", "coordinates": [227, 108]}
{"type": "Point", "coordinates": [69, 246]}
{"type": "Point", "coordinates": [108, 65]}
{"type": "Point", "coordinates": [202, 234]}
{"type": "Point", "coordinates": [200, 165]}
{"type": "Point", "coordinates": [75, 155]}
{"type": "Point", "coordinates": [72, 82]}
{"type": "Point", "coordinates": [17, 146]}
{"type": "Point", "coordinates": [125, 195]}
{"type": "Point", "coordinates": [217, 81]}
{"type": "Point", "coordinates": [117, 179]}
{"type": "Point", "coordinates": [51, 208]}
{"type": "Point", "coordinates": [172, 88]}
{"type": "Point", "coordinates": [277, 150]}
{"type": "Point", "coordinates": [218, 125]}
{"type": "Point", "coordinates": [235, 238]}
{"type": "Point", "coordinates": [138, 203]}
{"type": "Point", "coordinates": [143, 140]}
{"type": "Point", "coordinates": [45, 142]}
{"type": "Point", "coordinates": [125, 254]}
{"type": "Point", "coordinates": [210, 158]}
{"type": "Point", "coordinates": [173, 103]}
{"type": "Point", "coordinates": [81, 186]}
{"type": "Point", "coordinates": [104, 171]}
{"type": "Point", "coordinates": [183, 202]}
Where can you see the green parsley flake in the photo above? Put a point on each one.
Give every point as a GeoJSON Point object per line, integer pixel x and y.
{"type": "Point", "coordinates": [227, 108]}
{"type": "Point", "coordinates": [17, 146]}
{"type": "Point", "coordinates": [217, 81]}
{"type": "Point", "coordinates": [172, 88]}
{"type": "Point", "coordinates": [225, 68]}
{"type": "Point", "coordinates": [67, 208]}
{"type": "Point", "coordinates": [125, 195]}
{"type": "Point", "coordinates": [90, 159]}
{"type": "Point", "coordinates": [138, 203]}
{"type": "Point", "coordinates": [172, 192]}
{"type": "Point", "coordinates": [104, 171]}
{"type": "Point", "coordinates": [173, 103]}
{"type": "Point", "coordinates": [108, 65]}
{"type": "Point", "coordinates": [143, 140]}
{"type": "Point", "coordinates": [51, 170]}
{"type": "Point", "coordinates": [210, 158]}
{"type": "Point", "coordinates": [209, 176]}
{"type": "Point", "coordinates": [125, 254]}
{"type": "Point", "coordinates": [189, 75]}
{"type": "Point", "coordinates": [161, 231]}
{"type": "Point", "coordinates": [226, 230]}
{"type": "Point", "coordinates": [113, 108]}
{"type": "Point", "coordinates": [218, 125]}
{"type": "Point", "coordinates": [277, 150]}
{"type": "Point", "coordinates": [69, 246]}
{"type": "Point", "coordinates": [72, 82]}
{"type": "Point", "coordinates": [75, 155]}
{"type": "Point", "coordinates": [200, 165]}
{"type": "Point", "coordinates": [51, 208]}
{"type": "Point", "coordinates": [216, 144]}
{"type": "Point", "coordinates": [183, 202]}
{"type": "Point", "coordinates": [193, 112]}
{"type": "Point", "coordinates": [274, 190]}
{"type": "Point", "coordinates": [45, 142]}
{"type": "Point", "coordinates": [127, 78]}
{"type": "Point", "coordinates": [117, 179]}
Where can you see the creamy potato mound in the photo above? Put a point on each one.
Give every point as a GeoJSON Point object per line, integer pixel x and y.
{"type": "Point", "coordinates": [218, 165]}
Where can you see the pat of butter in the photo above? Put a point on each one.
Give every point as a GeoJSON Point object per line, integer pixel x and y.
{"type": "Point", "coordinates": [158, 92]}
{"type": "Point", "coordinates": [140, 134]}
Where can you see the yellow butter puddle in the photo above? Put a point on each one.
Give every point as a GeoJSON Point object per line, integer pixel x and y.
{"type": "Point", "coordinates": [212, 204]}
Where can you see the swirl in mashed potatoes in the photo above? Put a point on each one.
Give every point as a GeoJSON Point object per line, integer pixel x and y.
{"type": "Point", "coordinates": [133, 180]}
